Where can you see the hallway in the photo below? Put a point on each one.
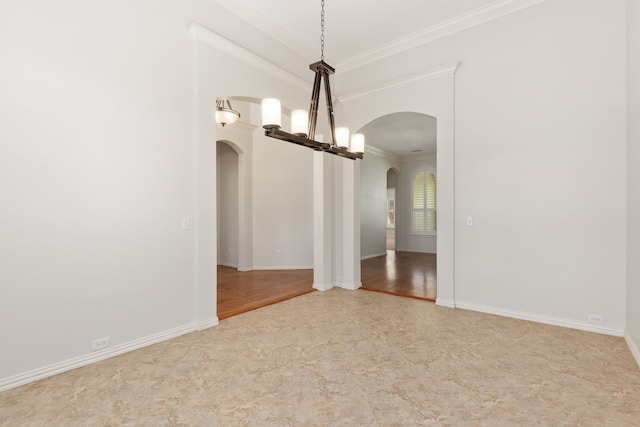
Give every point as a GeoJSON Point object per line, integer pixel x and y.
{"type": "Point", "coordinates": [408, 274]}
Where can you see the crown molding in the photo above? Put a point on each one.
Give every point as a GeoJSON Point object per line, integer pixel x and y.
{"type": "Point", "coordinates": [264, 24]}
{"type": "Point", "coordinates": [378, 152]}
{"type": "Point", "coordinates": [428, 74]}
{"type": "Point", "coordinates": [418, 158]}
{"type": "Point", "coordinates": [218, 42]}
{"type": "Point", "coordinates": [435, 32]}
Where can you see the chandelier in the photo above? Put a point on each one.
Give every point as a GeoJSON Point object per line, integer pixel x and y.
{"type": "Point", "coordinates": [303, 124]}
{"type": "Point", "coordinates": [225, 115]}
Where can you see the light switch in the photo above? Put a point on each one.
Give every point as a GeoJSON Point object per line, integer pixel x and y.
{"type": "Point", "coordinates": [469, 221]}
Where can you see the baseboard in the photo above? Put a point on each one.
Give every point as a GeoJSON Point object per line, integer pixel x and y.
{"type": "Point", "coordinates": [445, 303]}
{"type": "Point", "coordinates": [351, 286]}
{"type": "Point", "coordinates": [228, 264]}
{"type": "Point", "coordinates": [206, 324]}
{"type": "Point", "coordinates": [633, 347]}
{"type": "Point", "coordinates": [77, 362]}
{"type": "Point", "coordinates": [372, 256]}
{"type": "Point", "coordinates": [322, 286]}
{"type": "Point", "coordinates": [282, 267]}
{"type": "Point", "coordinates": [565, 323]}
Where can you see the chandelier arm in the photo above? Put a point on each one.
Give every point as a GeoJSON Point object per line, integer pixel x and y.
{"type": "Point", "coordinates": [332, 123]}
{"type": "Point", "coordinates": [313, 107]}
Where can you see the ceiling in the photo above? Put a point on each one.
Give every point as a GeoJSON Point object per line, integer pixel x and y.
{"type": "Point", "coordinates": [403, 134]}
{"type": "Point", "coordinates": [353, 27]}
{"type": "Point", "coordinates": [356, 28]}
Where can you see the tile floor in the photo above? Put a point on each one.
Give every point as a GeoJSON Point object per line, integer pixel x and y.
{"type": "Point", "coordinates": [345, 358]}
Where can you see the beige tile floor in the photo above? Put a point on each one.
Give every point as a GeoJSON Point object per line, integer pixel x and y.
{"type": "Point", "coordinates": [345, 358]}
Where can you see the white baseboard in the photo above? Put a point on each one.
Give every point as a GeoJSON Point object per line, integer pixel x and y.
{"type": "Point", "coordinates": [633, 347]}
{"type": "Point", "coordinates": [372, 256]}
{"type": "Point", "coordinates": [282, 267]}
{"type": "Point", "coordinates": [323, 286]}
{"type": "Point", "coordinates": [206, 324]}
{"type": "Point", "coordinates": [565, 323]}
{"type": "Point", "coordinates": [351, 286]}
{"type": "Point", "coordinates": [228, 264]}
{"type": "Point", "coordinates": [269, 267]}
{"type": "Point", "coordinates": [87, 359]}
{"type": "Point", "coordinates": [445, 303]}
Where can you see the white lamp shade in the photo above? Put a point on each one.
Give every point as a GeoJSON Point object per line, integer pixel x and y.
{"type": "Point", "coordinates": [357, 143]}
{"type": "Point", "coordinates": [299, 122]}
{"type": "Point", "coordinates": [271, 112]}
{"type": "Point", "coordinates": [226, 117]}
{"type": "Point", "coordinates": [342, 137]}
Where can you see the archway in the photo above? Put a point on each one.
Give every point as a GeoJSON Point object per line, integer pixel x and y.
{"type": "Point", "coordinates": [269, 228]}
{"type": "Point", "coordinates": [398, 205]}
{"type": "Point", "coordinates": [228, 204]}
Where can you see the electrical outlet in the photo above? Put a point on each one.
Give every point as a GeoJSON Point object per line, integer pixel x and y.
{"type": "Point", "coordinates": [100, 344]}
{"type": "Point", "coordinates": [186, 224]}
{"type": "Point", "coordinates": [598, 319]}
{"type": "Point", "coordinates": [278, 252]}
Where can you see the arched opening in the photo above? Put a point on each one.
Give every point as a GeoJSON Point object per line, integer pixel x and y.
{"type": "Point", "coordinates": [228, 205]}
{"type": "Point", "coordinates": [264, 234]}
{"type": "Point", "coordinates": [398, 205]}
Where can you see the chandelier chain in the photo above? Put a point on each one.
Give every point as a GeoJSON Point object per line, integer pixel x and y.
{"type": "Point", "coordinates": [322, 32]}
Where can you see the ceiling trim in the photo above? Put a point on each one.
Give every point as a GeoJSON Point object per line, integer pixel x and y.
{"type": "Point", "coordinates": [261, 22]}
{"type": "Point", "coordinates": [435, 32]}
{"type": "Point", "coordinates": [415, 158]}
{"type": "Point", "coordinates": [378, 152]}
{"type": "Point", "coordinates": [428, 74]}
{"type": "Point", "coordinates": [218, 42]}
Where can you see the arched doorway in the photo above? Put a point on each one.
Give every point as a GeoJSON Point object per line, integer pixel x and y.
{"type": "Point", "coordinates": [227, 201]}
{"type": "Point", "coordinates": [264, 234]}
{"type": "Point", "coordinates": [398, 205]}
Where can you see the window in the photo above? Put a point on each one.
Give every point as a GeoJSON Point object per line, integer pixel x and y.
{"type": "Point", "coordinates": [424, 201]}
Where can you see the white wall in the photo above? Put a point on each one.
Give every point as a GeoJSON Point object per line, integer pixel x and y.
{"type": "Point", "coordinates": [98, 161]}
{"type": "Point", "coordinates": [373, 203]}
{"type": "Point", "coordinates": [406, 241]}
{"type": "Point", "coordinates": [283, 205]}
{"type": "Point", "coordinates": [96, 174]}
{"type": "Point", "coordinates": [540, 162]}
{"type": "Point", "coordinates": [539, 159]}
{"type": "Point", "coordinates": [633, 177]}
{"type": "Point", "coordinates": [228, 205]}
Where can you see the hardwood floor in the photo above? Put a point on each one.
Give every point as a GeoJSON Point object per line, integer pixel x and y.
{"type": "Point", "coordinates": [408, 274]}
{"type": "Point", "coordinates": [239, 292]}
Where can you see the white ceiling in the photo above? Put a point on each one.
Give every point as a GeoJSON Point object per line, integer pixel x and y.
{"type": "Point", "coordinates": [403, 134]}
{"type": "Point", "coordinates": [356, 28]}
{"type": "Point", "coordinates": [353, 27]}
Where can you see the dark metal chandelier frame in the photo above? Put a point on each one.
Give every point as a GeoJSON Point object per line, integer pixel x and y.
{"type": "Point", "coordinates": [323, 71]}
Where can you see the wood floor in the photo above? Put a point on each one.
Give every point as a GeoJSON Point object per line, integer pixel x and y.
{"type": "Point", "coordinates": [239, 292]}
{"type": "Point", "coordinates": [408, 274]}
